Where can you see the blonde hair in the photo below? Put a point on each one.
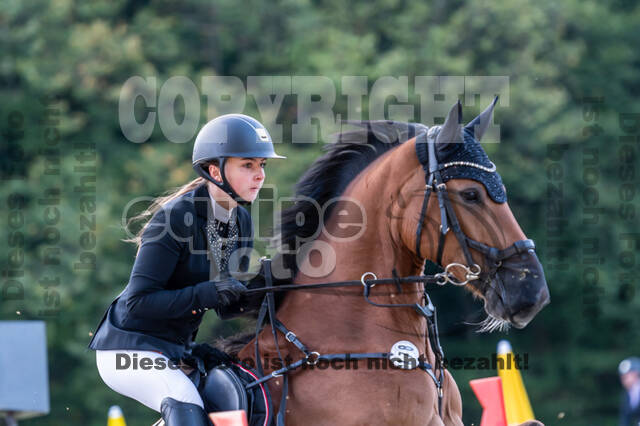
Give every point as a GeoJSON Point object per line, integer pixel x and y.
{"type": "Point", "coordinates": [160, 201]}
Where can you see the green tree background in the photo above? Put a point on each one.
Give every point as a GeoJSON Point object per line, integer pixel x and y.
{"type": "Point", "coordinates": [572, 69]}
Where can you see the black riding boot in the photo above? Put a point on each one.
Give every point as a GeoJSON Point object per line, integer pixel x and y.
{"type": "Point", "coordinates": [176, 413]}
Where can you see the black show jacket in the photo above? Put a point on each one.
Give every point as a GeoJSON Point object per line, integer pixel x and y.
{"type": "Point", "coordinates": [169, 289]}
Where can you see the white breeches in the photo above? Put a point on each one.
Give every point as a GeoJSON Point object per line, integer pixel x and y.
{"type": "Point", "coordinates": [148, 386]}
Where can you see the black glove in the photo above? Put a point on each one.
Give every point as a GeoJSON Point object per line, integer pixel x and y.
{"type": "Point", "coordinates": [229, 291]}
{"type": "Point", "coordinates": [248, 302]}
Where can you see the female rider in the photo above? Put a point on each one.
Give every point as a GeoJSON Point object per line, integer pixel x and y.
{"type": "Point", "coordinates": [187, 255]}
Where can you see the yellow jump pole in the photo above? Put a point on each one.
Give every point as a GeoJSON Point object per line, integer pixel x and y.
{"type": "Point", "coordinates": [115, 417]}
{"type": "Point", "coordinates": [516, 402]}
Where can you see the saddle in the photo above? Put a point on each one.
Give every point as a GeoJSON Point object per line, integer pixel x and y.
{"type": "Point", "coordinates": [221, 382]}
{"type": "Point", "coordinates": [224, 389]}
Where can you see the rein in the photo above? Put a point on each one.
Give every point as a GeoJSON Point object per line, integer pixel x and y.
{"type": "Point", "coordinates": [440, 278]}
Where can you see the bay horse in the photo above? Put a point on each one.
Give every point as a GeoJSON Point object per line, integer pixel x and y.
{"type": "Point", "coordinates": [382, 201]}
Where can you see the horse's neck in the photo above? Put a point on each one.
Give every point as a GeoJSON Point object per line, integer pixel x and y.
{"type": "Point", "coordinates": [345, 310]}
{"type": "Point", "coordinates": [378, 247]}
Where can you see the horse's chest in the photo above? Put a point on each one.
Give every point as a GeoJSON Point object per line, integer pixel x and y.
{"type": "Point", "coordinates": [366, 397]}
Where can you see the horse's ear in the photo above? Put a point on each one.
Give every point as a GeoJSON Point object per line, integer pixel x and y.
{"type": "Point", "coordinates": [479, 124]}
{"type": "Point", "coordinates": [451, 131]}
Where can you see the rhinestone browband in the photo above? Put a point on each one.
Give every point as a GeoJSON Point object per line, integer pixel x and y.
{"type": "Point", "coordinates": [468, 164]}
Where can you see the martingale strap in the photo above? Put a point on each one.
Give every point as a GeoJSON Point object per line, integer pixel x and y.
{"type": "Point", "coordinates": [271, 306]}
{"type": "Point", "coordinates": [427, 367]}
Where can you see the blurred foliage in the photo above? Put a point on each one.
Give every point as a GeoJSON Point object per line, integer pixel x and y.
{"type": "Point", "coordinates": [62, 69]}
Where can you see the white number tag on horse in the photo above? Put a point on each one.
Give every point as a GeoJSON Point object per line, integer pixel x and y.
{"type": "Point", "coordinates": [404, 354]}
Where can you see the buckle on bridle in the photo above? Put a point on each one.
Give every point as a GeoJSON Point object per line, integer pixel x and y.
{"type": "Point", "coordinates": [290, 336]}
{"type": "Point", "coordinates": [471, 273]}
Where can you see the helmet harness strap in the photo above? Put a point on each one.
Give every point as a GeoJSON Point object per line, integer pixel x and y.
{"type": "Point", "coordinates": [224, 185]}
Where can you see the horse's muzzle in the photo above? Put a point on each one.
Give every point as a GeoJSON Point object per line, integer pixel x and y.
{"type": "Point", "coordinates": [524, 286]}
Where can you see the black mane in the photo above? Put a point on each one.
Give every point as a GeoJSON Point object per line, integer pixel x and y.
{"type": "Point", "coordinates": [349, 154]}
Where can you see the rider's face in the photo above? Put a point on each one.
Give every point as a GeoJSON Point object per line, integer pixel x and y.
{"type": "Point", "coordinates": [246, 175]}
{"type": "Point", "coordinates": [629, 379]}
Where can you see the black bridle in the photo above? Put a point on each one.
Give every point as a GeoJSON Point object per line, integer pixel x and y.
{"type": "Point", "coordinates": [426, 152]}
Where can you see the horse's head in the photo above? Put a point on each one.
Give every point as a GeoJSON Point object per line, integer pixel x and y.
{"type": "Point", "coordinates": [479, 228]}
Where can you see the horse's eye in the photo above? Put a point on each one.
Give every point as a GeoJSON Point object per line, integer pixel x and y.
{"type": "Point", "coordinates": [471, 195]}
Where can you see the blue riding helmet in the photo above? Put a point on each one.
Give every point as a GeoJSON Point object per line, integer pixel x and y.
{"type": "Point", "coordinates": [230, 135]}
